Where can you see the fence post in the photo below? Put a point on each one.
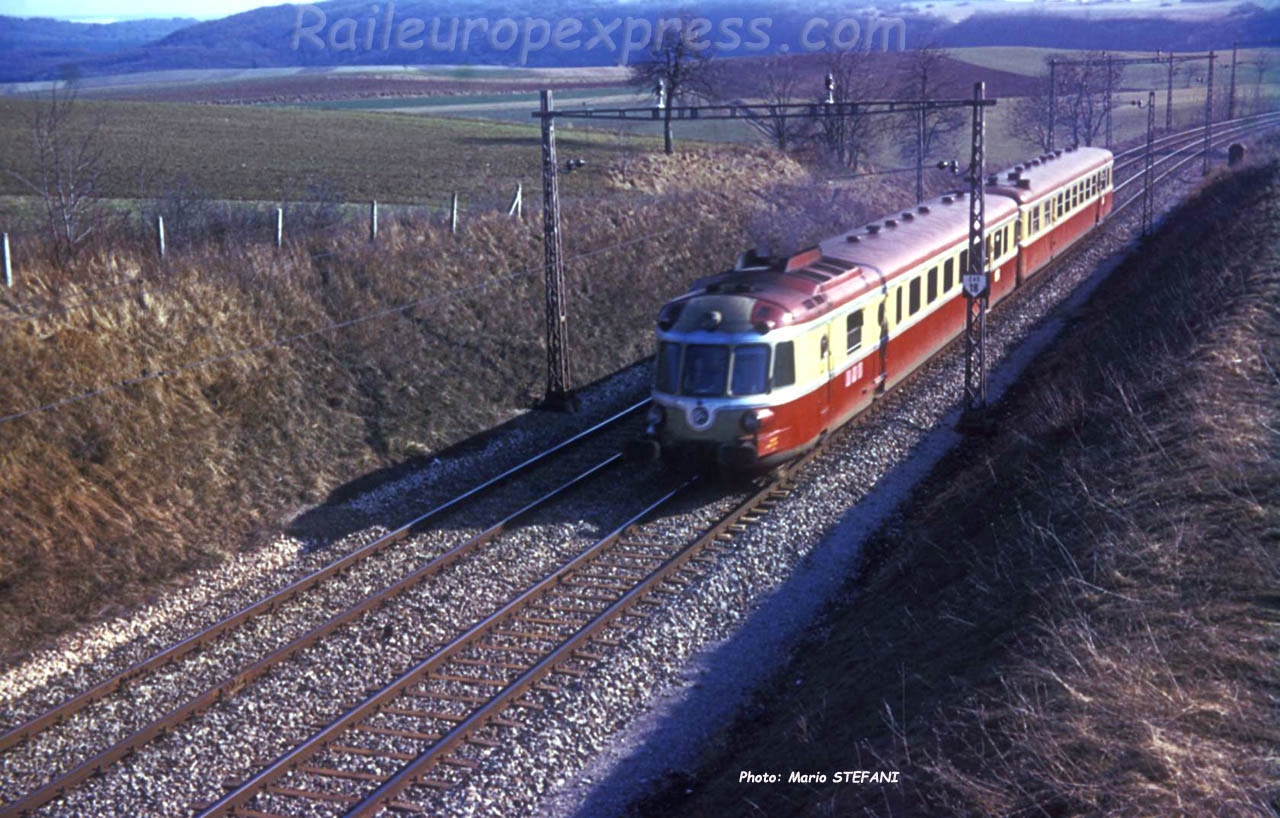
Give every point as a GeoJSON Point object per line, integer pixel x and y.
{"type": "Point", "coordinates": [160, 234]}
{"type": "Point", "coordinates": [373, 221]}
{"type": "Point", "coordinates": [453, 215]}
{"type": "Point", "coordinates": [517, 203]}
{"type": "Point", "coordinates": [8, 263]}
{"type": "Point", "coordinates": [279, 227]}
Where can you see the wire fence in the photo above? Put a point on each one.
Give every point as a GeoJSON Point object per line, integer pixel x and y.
{"type": "Point", "coordinates": [435, 298]}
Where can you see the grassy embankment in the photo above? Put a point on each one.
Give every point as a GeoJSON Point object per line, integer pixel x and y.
{"type": "Point", "coordinates": [1076, 616]}
{"type": "Point", "coordinates": [102, 499]}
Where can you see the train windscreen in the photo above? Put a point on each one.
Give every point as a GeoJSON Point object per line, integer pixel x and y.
{"type": "Point", "coordinates": [751, 369]}
{"type": "Point", "coordinates": [706, 368]}
{"type": "Point", "coordinates": [668, 369]}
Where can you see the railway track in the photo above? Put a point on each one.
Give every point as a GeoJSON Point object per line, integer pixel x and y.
{"type": "Point", "coordinates": [468, 692]}
{"type": "Point", "coordinates": [458, 701]}
{"type": "Point", "coordinates": [297, 593]}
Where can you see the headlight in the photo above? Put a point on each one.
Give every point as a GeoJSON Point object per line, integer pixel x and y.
{"type": "Point", "coordinates": [753, 420]}
{"type": "Point", "coordinates": [656, 415]}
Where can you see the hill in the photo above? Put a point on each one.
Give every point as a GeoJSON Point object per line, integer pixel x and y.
{"type": "Point", "coordinates": [347, 33]}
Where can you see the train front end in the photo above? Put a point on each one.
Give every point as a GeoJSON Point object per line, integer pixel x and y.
{"type": "Point", "coordinates": [718, 373]}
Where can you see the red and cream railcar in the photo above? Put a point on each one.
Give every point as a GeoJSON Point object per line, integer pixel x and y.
{"type": "Point", "coordinates": [754, 365]}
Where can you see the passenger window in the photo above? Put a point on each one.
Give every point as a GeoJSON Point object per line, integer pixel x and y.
{"type": "Point", "coordinates": [784, 364]}
{"type": "Point", "coordinates": [853, 331]}
{"type": "Point", "coordinates": [667, 371]}
{"type": "Point", "coordinates": [751, 369]}
{"type": "Point", "coordinates": [964, 262]}
{"type": "Point", "coordinates": [1035, 221]}
{"type": "Point", "coordinates": [898, 320]}
{"type": "Point", "coordinates": [948, 275]}
{"type": "Point", "coordinates": [915, 295]}
{"type": "Point", "coordinates": [932, 294]}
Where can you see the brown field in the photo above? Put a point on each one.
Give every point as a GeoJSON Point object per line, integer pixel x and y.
{"type": "Point", "coordinates": [338, 86]}
{"type": "Point", "coordinates": [1075, 616]}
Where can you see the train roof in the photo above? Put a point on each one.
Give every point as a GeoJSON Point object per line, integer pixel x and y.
{"type": "Point", "coordinates": [844, 267]}
{"type": "Point", "coordinates": [1032, 179]}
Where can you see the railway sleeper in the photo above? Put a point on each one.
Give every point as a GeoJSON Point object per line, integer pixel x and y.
{"type": "Point", "coordinates": [329, 772]}
{"type": "Point", "coordinates": [311, 795]}
{"type": "Point", "coordinates": [509, 649]}
{"type": "Point", "coordinates": [346, 749]}
{"type": "Point", "coordinates": [531, 635]}
{"type": "Point", "coordinates": [490, 663]}
{"type": "Point", "coordinates": [416, 735]}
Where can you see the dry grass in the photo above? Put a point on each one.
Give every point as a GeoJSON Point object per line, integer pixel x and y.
{"type": "Point", "coordinates": [1099, 639]}
{"type": "Point", "coordinates": [102, 499]}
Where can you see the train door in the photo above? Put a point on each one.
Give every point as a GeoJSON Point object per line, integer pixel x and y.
{"type": "Point", "coordinates": [1017, 246]}
{"type": "Point", "coordinates": [882, 348]}
{"type": "Point", "coordinates": [826, 365]}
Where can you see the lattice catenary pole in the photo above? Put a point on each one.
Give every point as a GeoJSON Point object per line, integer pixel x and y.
{"type": "Point", "coordinates": [1053, 98]}
{"type": "Point", "coordinates": [557, 314]}
{"type": "Point", "coordinates": [1108, 93]}
{"type": "Point", "coordinates": [976, 282]}
{"type": "Point", "coordinates": [1168, 99]}
{"type": "Point", "coordinates": [1231, 93]}
{"type": "Point", "coordinates": [1147, 162]}
{"type": "Point", "coordinates": [1208, 114]}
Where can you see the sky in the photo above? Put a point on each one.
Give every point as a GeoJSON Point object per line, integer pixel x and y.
{"type": "Point", "coordinates": [101, 11]}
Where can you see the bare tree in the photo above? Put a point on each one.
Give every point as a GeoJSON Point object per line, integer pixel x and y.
{"type": "Point", "coordinates": [846, 137]}
{"type": "Point", "coordinates": [1261, 64]}
{"type": "Point", "coordinates": [683, 68]}
{"type": "Point", "coordinates": [67, 158]}
{"type": "Point", "coordinates": [927, 133]}
{"type": "Point", "coordinates": [781, 82]}
{"type": "Point", "coordinates": [1079, 101]}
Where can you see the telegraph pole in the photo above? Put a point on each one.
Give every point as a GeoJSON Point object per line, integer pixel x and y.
{"type": "Point", "coordinates": [558, 395]}
{"type": "Point", "coordinates": [1168, 99]}
{"type": "Point", "coordinates": [976, 280]}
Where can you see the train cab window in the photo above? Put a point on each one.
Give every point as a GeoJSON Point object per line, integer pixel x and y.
{"type": "Point", "coordinates": [668, 369]}
{"type": "Point", "coordinates": [853, 331]}
{"type": "Point", "coordinates": [948, 275]}
{"type": "Point", "coordinates": [750, 369]}
{"type": "Point", "coordinates": [932, 294]}
{"type": "Point", "coordinates": [915, 295]}
{"type": "Point", "coordinates": [706, 368]}
{"type": "Point", "coordinates": [998, 247]}
{"type": "Point", "coordinates": [784, 364]}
